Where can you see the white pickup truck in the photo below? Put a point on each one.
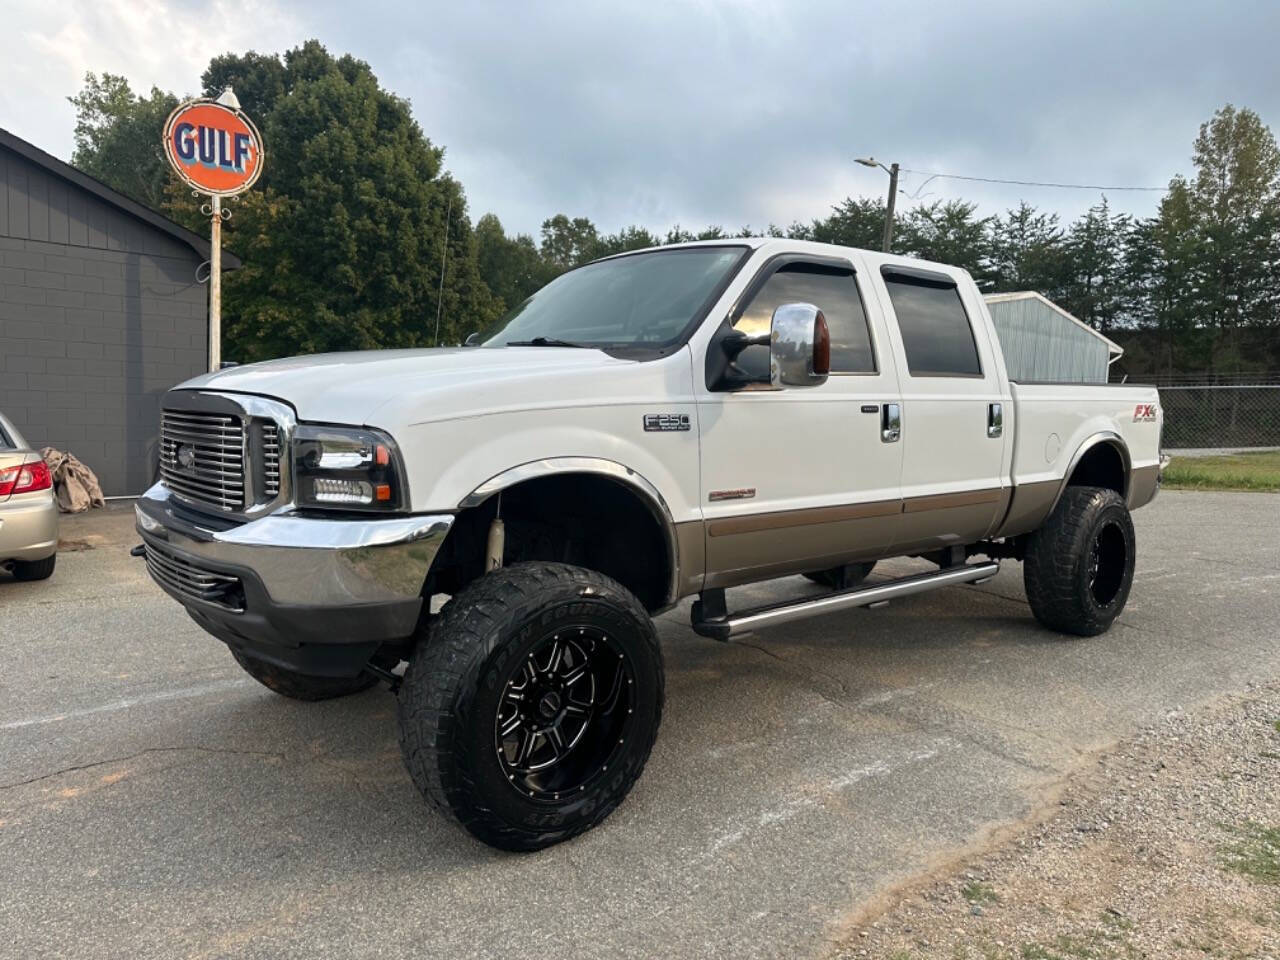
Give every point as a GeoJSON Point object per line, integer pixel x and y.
{"type": "Point", "coordinates": [649, 427]}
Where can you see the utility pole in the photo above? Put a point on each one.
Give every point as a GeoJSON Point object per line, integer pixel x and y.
{"type": "Point", "coordinates": [892, 171]}
{"type": "Point", "coordinates": [888, 213]}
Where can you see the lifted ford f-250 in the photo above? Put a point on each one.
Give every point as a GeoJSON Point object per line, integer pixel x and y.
{"type": "Point", "coordinates": [649, 427]}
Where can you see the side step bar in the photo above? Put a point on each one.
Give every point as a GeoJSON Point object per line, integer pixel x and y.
{"type": "Point", "coordinates": [736, 624]}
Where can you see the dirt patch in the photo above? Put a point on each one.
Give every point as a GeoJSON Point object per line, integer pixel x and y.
{"type": "Point", "coordinates": [1169, 846]}
{"type": "Point", "coordinates": [77, 545]}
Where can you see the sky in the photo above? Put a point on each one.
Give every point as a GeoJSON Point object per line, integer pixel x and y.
{"type": "Point", "coordinates": [743, 112]}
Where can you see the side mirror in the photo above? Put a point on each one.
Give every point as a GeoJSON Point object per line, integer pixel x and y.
{"type": "Point", "coordinates": [799, 346]}
{"type": "Point", "coordinates": [473, 339]}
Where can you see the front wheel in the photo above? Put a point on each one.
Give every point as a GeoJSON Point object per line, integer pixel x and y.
{"type": "Point", "coordinates": [1078, 566]}
{"type": "Point", "coordinates": [530, 710]}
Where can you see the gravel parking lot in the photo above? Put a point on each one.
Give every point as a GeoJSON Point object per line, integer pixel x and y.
{"type": "Point", "coordinates": [155, 802]}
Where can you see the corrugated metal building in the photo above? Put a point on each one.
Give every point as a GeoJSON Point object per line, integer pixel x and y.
{"type": "Point", "coordinates": [1042, 342]}
{"type": "Point", "coordinates": [100, 313]}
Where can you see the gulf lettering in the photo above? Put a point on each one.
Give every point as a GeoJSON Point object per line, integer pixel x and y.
{"type": "Point", "coordinates": [211, 147]}
{"type": "Point", "coordinates": [182, 137]}
{"type": "Point", "coordinates": [240, 152]}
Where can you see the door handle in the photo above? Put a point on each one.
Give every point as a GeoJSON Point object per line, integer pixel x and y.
{"type": "Point", "coordinates": [995, 420]}
{"type": "Point", "coordinates": [890, 423]}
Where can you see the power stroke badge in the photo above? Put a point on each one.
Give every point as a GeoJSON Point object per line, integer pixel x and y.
{"type": "Point", "coordinates": [665, 422]}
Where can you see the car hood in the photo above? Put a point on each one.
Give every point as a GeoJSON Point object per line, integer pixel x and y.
{"type": "Point", "coordinates": [391, 387]}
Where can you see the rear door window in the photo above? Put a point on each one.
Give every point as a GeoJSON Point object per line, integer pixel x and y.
{"type": "Point", "coordinates": [935, 328]}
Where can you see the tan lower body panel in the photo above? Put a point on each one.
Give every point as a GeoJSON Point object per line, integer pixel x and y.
{"type": "Point", "coordinates": [691, 544]}
{"type": "Point", "coordinates": [1031, 504]}
{"type": "Point", "coordinates": [947, 519]}
{"type": "Point", "coordinates": [1144, 482]}
{"type": "Point", "coordinates": [760, 546]}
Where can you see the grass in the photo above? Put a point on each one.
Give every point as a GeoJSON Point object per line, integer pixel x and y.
{"type": "Point", "coordinates": [1255, 853]}
{"type": "Point", "coordinates": [976, 892]}
{"type": "Point", "coordinates": [1239, 471]}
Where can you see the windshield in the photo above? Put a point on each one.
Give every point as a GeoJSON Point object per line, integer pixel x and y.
{"type": "Point", "coordinates": [645, 299]}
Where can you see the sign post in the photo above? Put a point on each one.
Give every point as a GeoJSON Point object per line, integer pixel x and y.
{"type": "Point", "coordinates": [217, 151]}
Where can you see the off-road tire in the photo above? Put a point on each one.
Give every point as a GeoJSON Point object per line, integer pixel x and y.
{"type": "Point", "coordinates": [841, 578]}
{"type": "Point", "coordinates": [34, 569]}
{"type": "Point", "coordinates": [457, 679]}
{"type": "Point", "coordinates": [1076, 577]}
{"type": "Point", "coordinates": [301, 686]}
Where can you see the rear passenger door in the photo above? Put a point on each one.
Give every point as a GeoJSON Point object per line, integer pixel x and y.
{"type": "Point", "coordinates": [953, 437]}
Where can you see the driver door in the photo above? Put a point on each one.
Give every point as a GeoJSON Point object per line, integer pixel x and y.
{"type": "Point", "coordinates": [801, 478]}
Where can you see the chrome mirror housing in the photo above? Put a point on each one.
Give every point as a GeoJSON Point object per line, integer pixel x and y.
{"type": "Point", "coordinates": [799, 346]}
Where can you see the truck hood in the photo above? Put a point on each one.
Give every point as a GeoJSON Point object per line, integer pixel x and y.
{"type": "Point", "coordinates": [384, 387]}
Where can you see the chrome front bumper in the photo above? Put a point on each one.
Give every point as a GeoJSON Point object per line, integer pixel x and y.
{"type": "Point", "coordinates": [304, 584]}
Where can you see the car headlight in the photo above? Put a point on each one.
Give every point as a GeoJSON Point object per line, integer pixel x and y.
{"type": "Point", "coordinates": [344, 468]}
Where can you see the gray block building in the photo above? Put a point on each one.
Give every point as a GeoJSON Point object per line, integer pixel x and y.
{"type": "Point", "coordinates": [100, 313]}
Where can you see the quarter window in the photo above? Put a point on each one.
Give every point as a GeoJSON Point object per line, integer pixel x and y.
{"type": "Point", "coordinates": [935, 328]}
{"type": "Point", "coordinates": [832, 290]}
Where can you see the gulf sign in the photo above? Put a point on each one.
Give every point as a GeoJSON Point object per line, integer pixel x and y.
{"type": "Point", "coordinates": [216, 149]}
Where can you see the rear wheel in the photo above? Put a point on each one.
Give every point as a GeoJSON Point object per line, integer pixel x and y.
{"type": "Point", "coordinates": [529, 712]}
{"type": "Point", "coordinates": [34, 569]}
{"type": "Point", "coordinates": [301, 686]}
{"type": "Point", "coordinates": [842, 577]}
{"type": "Point", "coordinates": [1078, 566]}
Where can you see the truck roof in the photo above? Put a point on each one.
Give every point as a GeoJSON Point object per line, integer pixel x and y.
{"type": "Point", "coordinates": [785, 245]}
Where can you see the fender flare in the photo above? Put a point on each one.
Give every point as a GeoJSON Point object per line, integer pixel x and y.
{"type": "Point", "coordinates": [619, 473]}
{"type": "Point", "coordinates": [1109, 437]}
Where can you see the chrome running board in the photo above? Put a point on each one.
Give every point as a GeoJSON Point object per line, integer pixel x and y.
{"type": "Point", "coordinates": [735, 624]}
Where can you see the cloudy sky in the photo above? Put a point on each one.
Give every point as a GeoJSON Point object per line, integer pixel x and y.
{"type": "Point", "coordinates": [736, 112]}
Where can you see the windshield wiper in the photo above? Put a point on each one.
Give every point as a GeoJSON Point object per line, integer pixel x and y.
{"type": "Point", "coordinates": [547, 342]}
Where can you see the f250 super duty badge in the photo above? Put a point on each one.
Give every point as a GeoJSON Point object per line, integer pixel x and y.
{"type": "Point", "coordinates": [665, 422]}
{"type": "Point", "coordinates": [1144, 411]}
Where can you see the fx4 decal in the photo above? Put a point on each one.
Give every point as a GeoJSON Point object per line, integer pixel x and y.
{"type": "Point", "coordinates": [1144, 411]}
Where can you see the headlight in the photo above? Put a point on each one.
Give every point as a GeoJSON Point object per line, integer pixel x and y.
{"type": "Point", "coordinates": [342, 468]}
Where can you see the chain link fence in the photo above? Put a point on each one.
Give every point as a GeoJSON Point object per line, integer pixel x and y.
{"type": "Point", "coordinates": [1218, 415]}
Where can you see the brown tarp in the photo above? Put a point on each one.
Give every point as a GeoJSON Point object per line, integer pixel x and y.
{"type": "Point", "coordinates": [75, 484]}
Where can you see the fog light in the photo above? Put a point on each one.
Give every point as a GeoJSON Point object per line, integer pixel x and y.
{"type": "Point", "coordinates": [328, 490]}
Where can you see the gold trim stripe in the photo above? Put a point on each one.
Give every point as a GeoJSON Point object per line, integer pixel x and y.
{"type": "Point", "coordinates": [784, 519]}
{"type": "Point", "coordinates": [944, 501]}
{"type": "Point", "coordinates": [751, 523]}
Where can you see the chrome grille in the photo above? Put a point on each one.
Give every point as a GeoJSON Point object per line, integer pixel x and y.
{"type": "Point", "coordinates": [213, 472]}
{"type": "Point", "coordinates": [190, 580]}
{"type": "Point", "coordinates": [271, 460]}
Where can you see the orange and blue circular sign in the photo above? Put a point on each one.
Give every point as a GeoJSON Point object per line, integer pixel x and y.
{"type": "Point", "coordinates": [216, 149]}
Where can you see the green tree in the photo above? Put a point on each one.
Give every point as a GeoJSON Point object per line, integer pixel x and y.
{"type": "Point", "coordinates": [949, 232]}
{"type": "Point", "coordinates": [1234, 208]}
{"type": "Point", "coordinates": [853, 223]}
{"type": "Point", "coordinates": [118, 137]}
{"type": "Point", "coordinates": [1028, 252]}
{"type": "Point", "coordinates": [1096, 291]}
{"type": "Point", "coordinates": [569, 242]}
{"type": "Point", "coordinates": [628, 238]}
{"type": "Point", "coordinates": [511, 267]}
{"type": "Point", "coordinates": [346, 239]}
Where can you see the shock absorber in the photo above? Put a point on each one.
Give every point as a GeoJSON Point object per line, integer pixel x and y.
{"type": "Point", "coordinates": [497, 541]}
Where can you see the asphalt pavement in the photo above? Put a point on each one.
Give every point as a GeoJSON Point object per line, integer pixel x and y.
{"type": "Point", "coordinates": [155, 802]}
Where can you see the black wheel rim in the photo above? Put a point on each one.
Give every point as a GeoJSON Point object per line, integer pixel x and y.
{"type": "Point", "coordinates": [1108, 559]}
{"type": "Point", "coordinates": [564, 713]}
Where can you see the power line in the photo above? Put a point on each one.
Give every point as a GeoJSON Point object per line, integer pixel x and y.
{"type": "Point", "coordinates": [1031, 183]}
